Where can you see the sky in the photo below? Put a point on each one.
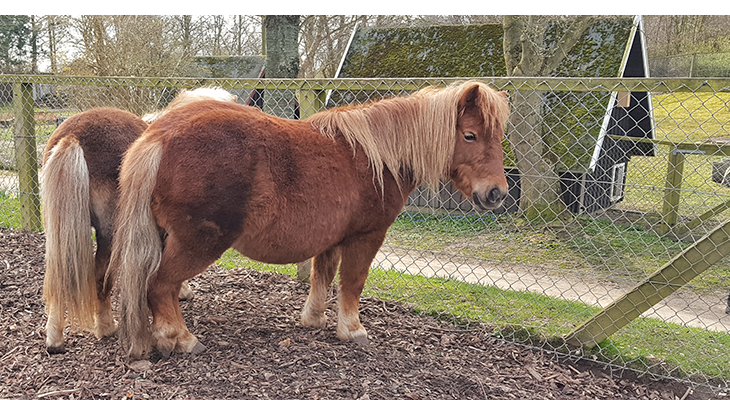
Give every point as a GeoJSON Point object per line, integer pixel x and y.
{"type": "Point", "coordinates": [372, 7]}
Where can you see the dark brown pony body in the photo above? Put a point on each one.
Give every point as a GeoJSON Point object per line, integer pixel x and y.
{"type": "Point", "coordinates": [213, 176]}
{"type": "Point", "coordinates": [79, 191]}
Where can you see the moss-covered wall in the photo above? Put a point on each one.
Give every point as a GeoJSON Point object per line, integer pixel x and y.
{"type": "Point", "coordinates": [572, 120]}
{"type": "Point", "coordinates": [229, 67]}
{"type": "Point", "coordinates": [241, 67]}
{"type": "Point", "coordinates": [437, 51]}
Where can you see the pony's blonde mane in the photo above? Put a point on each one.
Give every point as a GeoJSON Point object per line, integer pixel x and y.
{"type": "Point", "coordinates": [190, 96]}
{"type": "Point", "coordinates": [415, 133]}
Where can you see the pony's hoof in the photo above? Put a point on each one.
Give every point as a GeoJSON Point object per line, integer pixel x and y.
{"type": "Point", "coordinates": [198, 348]}
{"type": "Point", "coordinates": [363, 340]}
{"type": "Point", "coordinates": [56, 349]}
{"type": "Point", "coordinates": [165, 353]}
{"type": "Point", "coordinates": [186, 292]}
{"type": "Point", "coordinates": [102, 331]}
{"type": "Point", "coordinates": [314, 321]}
{"type": "Point", "coordinates": [359, 336]}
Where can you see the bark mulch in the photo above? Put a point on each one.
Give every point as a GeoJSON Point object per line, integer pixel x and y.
{"type": "Point", "coordinates": [256, 348]}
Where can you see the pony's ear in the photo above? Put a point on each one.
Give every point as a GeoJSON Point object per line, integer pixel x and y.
{"type": "Point", "coordinates": [469, 97]}
{"type": "Point", "coordinates": [503, 93]}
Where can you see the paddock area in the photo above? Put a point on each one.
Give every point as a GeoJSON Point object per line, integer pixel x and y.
{"type": "Point", "coordinates": [258, 349]}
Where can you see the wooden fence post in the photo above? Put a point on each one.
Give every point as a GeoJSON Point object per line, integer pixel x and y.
{"type": "Point", "coordinates": [672, 194]}
{"type": "Point", "coordinates": [26, 157]}
{"type": "Point", "coordinates": [310, 102]}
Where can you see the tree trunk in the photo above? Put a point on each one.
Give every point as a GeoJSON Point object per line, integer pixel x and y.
{"type": "Point", "coordinates": [52, 42]}
{"type": "Point", "coordinates": [34, 28]}
{"type": "Point", "coordinates": [525, 54]}
{"type": "Point", "coordinates": [282, 61]}
{"type": "Point", "coordinates": [540, 191]}
{"type": "Point", "coordinates": [281, 47]}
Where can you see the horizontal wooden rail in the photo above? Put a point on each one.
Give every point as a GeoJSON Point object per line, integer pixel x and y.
{"type": "Point", "coordinates": [505, 83]}
{"type": "Point", "coordinates": [703, 148]}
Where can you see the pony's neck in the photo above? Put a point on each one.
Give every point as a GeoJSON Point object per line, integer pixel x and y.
{"type": "Point", "coordinates": [410, 136]}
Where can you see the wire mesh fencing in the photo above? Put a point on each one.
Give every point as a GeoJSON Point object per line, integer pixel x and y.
{"type": "Point", "coordinates": [611, 245]}
{"type": "Point", "coordinates": [691, 65]}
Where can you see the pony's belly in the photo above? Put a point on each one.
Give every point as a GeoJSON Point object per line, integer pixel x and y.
{"type": "Point", "coordinates": [279, 248]}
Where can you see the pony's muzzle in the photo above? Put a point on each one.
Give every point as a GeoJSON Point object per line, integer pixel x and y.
{"type": "Point", "coordinates": [491, 200]}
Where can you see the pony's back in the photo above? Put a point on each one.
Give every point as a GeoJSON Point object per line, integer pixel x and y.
{"type": "Point", "coordinates": [186, 97]}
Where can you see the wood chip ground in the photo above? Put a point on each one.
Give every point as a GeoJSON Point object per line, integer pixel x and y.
{"type": "Point", "coordinates": [257, 349]}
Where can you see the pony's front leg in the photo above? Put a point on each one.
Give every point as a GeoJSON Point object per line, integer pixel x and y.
{"type": "Point", "coordinates": [324, 268]}
{"type": "Point", "coordinates": [356, 260]}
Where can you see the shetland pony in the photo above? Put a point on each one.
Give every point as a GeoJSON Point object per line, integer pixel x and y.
{"type": "Point", "coordinates": [79, 190]}
{"type": "Point", "coordinates": [211, 176]}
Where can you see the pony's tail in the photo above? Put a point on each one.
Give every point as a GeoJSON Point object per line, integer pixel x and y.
{"type": "Point", "coordinates": [137, 246]}
{"type": "Point", "coordinates": [69, 285]}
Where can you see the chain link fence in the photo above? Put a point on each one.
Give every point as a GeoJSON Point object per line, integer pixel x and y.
{"type": "Point", "coordinates": [633, 275]}
{"type": "Point", "coordinates": [691, 65]}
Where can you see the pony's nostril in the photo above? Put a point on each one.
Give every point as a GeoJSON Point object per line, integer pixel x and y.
{"type": "Point", "coordinates": [495, 195]}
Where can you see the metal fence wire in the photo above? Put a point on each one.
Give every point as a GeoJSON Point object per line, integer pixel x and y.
{"type": "Point", "coordinates": [691, 65]}
{"type": "Point", "coordinates": [633, 275]}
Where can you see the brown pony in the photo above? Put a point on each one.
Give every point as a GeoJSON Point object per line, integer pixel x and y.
{"type": "Point", "coordinates": [212, 176]}
{"type": "Point", "coordinates": [79, 190]}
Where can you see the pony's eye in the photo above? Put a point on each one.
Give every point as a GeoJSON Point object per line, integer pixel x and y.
{"type": "Point", "coordinates": [469, 136]}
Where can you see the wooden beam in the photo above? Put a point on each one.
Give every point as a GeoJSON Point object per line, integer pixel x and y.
{"type": "Point", "coordinates": [673, 275]}
{"type": "Point", "coordinates": [310, 102]}
{"type": "Point", "coordinates": [679, 85]}
{"type": "Point", "coordinates": [715, 211]}
{"type": "Point", "coordinates": [304, 270]}
{"type": "Point", "coordinates": [672, 187]}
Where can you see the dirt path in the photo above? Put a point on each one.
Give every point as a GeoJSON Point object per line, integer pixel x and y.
{"type": "Point", "coordinates": [685, 307]}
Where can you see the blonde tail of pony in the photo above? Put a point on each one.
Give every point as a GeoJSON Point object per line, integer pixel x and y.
{"type": "Point", "coordinates": [137, 246]}
{"type": "Point", "coordinates": [69, 285]}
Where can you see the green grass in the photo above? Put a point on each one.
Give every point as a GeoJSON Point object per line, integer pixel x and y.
{"type": "Point", "coordinates": [9, 210]}
{"type": "Point", "coordinates": [465, 303]}
{"type": "Point", "coordinates": [594, 245]}
{"type": "Point", "coordinates": [681, 118]}
{"type": "Point", "coordinates": [233, 259]}
{"type": "Point", "coordinates": [436, 231]}
{"type": "Point", "coordinates": [689, 351]}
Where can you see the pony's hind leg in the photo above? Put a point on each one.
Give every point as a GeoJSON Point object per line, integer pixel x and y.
{"type": "Point", "coordinates": [104, 324]}
{"type": "Point", "coordinates": [178, 263]}
{"type": "Point", "coordinates": [103, 204]}
{"type": "Point", "coordinates": [356, 260]}
{"type": "Point", "coordinates": [324, 268]}
{"type": "Point", "coordinates": [54, 329]}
